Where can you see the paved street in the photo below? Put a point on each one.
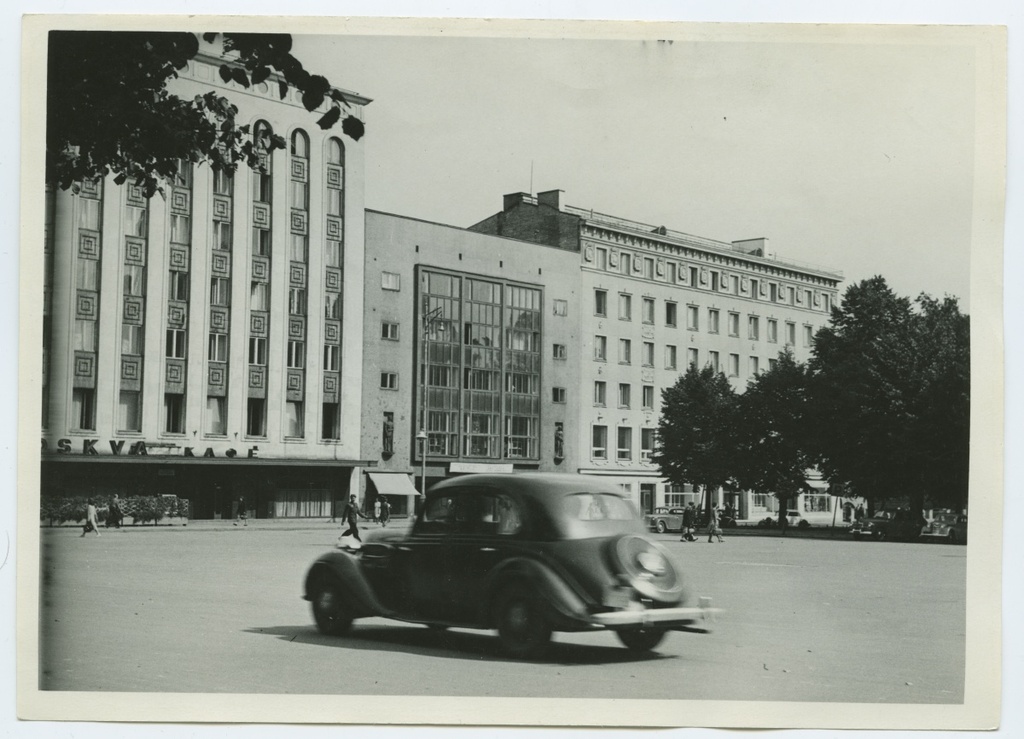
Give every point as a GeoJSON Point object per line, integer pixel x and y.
{"type": "Point", "coordinates": [216, 608]}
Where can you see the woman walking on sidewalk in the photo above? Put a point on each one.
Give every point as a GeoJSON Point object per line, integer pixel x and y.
{"type": "Point", "coordinates": [713, 527]}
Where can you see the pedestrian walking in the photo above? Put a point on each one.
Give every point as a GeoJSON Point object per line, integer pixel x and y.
{"type": "Point", "coordinates": [376, 510]}
{"type": "Point", "coordinates": [90, 519]}
{"type": "Point", "coordinates": [351, 516]}
{"type": "Point", "coordinates": [240, 516]}
{"type": "Point", "coordinates": [114, 513]}
{"type": "Point", "coordinates": [714, 529]}
{"type": "Point", "coordinates": [689, 519]}
{"type": "Point", "coordinates": [385, 511]}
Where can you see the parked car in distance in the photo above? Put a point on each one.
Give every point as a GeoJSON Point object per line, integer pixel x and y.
{"type": "Point", "coordinates": [898, 524]}
{"type": "Point", "coordinates": [948, 526]}
{"type": "Point", "coordinates": [794, 517]}
{"type": "Point", "coordinates": [525, 554]}
{"type": "Point", "coordinates": [665, 519]}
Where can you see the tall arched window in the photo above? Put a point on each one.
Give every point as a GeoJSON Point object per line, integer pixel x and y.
{"type": "Point", "coordinates": [300, 144]}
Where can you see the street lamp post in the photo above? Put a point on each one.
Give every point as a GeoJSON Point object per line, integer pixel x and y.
{"type": "Point", "coordinates": [422, 437]}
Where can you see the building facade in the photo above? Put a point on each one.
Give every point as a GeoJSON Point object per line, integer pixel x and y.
{"type": "Point", "coordinates": [208, 343]}
{"type": "Point", "coordinates": [654, 301]}
{"type": "Point", "coordinates": [472, 340]}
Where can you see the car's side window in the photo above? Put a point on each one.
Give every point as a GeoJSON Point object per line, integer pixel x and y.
{"type": "Point", "coordinates": [447, 514]}
{"type": "Point", "coordinates": [498, 515]}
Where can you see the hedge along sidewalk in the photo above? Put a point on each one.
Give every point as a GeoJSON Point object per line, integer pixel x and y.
{"type": "Point", "coordinates": [231, 524]}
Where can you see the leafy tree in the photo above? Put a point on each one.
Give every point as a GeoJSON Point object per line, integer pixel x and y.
{"type": "Point", "coordinates": [696, 430]}
{"type": "Point", "coordinates": [772, 446]}
{"type": "Point", "coordinates": [109, 110]}
{"type": "Point", "coordinates": [891, 395]}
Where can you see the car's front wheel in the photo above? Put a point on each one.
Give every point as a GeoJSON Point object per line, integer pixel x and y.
{"type": "Point", "coordinates": [641, 640]}
{"type": "Point", "coordinates": [522, 628]}
{"type": "Point", "coordinates": [331, 612]}
{"type": "Point", "coordinates": [661, 527]}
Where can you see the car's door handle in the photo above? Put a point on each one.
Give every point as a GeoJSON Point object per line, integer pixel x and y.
{"type": "Point", "coordinates": [488, 549]}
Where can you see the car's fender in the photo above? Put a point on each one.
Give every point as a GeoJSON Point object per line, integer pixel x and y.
{"type": "Point", "coordinates": [565, 607]}
{"type": "Point", "coordinates": [345, 569]}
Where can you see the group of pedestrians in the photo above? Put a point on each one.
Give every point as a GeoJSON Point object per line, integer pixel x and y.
{"type": "Point", "coordinates": [690, 524]}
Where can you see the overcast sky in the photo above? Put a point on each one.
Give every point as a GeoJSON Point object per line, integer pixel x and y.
{"type": "Point", "coordinates": [853, 156]}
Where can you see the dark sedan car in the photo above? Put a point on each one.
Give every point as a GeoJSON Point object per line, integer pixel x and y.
{"type": "Point", "coordinates": [526, 554]}
{"type": "Point", "coordinates": [898, 524]}
{"type": "Point", "coordinates": [947, 526]}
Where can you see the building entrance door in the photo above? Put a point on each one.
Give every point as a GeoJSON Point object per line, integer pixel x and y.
{"type": "Point", "coordinates": [646, 497]}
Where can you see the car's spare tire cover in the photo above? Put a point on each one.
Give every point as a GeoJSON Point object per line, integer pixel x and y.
{"type": "Point", "coordinates": [648, 567]}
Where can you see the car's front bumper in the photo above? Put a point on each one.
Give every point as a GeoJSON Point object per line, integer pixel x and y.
{"type": "Point", "coordinates": [697, 619]}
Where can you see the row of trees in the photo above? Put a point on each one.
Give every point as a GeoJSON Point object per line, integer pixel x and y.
{"type": "Point", "coordinates": [882, 409]}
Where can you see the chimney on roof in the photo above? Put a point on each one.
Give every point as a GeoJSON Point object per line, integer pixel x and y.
{"type": "Point", "coordinates": [552, 198]}
{"type": "Point", "coordinates": [513, 199]}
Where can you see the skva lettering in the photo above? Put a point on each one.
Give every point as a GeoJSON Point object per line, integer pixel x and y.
{"type": "Point", "coordinates": [116, 446]}
{"type": "Point", "coordinates": [64, 446]}
{"type": "Point", "coordinates": [89, 447]}
{"type": "Point", "coordinates": [139, 449]}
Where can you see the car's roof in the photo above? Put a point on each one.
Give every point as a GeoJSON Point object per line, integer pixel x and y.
{"type": "Point", "coordinates": [529, 483]}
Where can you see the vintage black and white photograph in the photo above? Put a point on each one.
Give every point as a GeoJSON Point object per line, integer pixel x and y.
{"type": "Point", "coordinates": [580, 373]}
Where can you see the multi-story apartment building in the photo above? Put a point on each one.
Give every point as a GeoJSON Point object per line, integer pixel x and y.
{"type": "Point", "coordinates": [471, 355]}
{"type": "Point", "coordinates": [208, 343]}
{"type": "Point", "coordinates": [652, 302]}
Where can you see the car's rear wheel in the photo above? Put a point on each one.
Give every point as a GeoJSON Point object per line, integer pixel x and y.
{"type": "Point", "coordinates": [522, 628]}
{"type": "Point", "coordinates": [331, 611]}
{"type": "Point", "coordinates": [641, 640]}
{"type": "Point", "coordinates": [661, 527]}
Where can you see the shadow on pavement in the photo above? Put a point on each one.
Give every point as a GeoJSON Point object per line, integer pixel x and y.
{"type": "Point", "coordinates": [477, 646]}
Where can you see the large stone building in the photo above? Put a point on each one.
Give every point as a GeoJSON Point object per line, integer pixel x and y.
{"type": "Point", "coordinates": [208, 343]}
{"type": "Point", "coordinates": [652, 302]}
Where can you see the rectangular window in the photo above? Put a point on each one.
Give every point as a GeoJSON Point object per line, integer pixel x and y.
{"type": "Point", "coordinates": [298, 247]}
{"type": "Point", "coordinates": [714, 281]}
{"type": "Point", "coordinates": [599, 443]}
{"type": "Point", "coordinates": [174, 413]}
{"type": "Point", "coordinates": [132, 339]}
{"type": "Point", "coordinates": [754, 366]}
{"type": "Point", "coordinates": [734, 365]}
{"type": "Point", "coordinates": [256, 417]}
{"type": "Point", "coordinates": [296, 354]}
{"type": "Point", "coordinates": [332, 305]}
{"type": "Point", "coordinates": [670, 357]}
{"type": "Point", "coordinates": [790, 333]}
{"type": "Point", "coordinates": [87, 274]}
{"type": "Point", "coordinates": [625, 307]}
{"type": "Point", "coordinates": [691, 357]}
{"type": "Point", "coordinates": [600, 302]}
{"type": "Point", "coordinates": [734, 324]}
{"type": "Point", "coordinates": [334, 202]}
{"type": "Point", "coordinates": [558, 351]}
{"type": "Point", "coordinates": [83, 408]}
{"type": "Point", "coordinates": [261, 187]}
{"type": "Point", "coordinates": [648, 268]}
{"type": "Point", "coordinates": [220, 291]}
{"type": "Point", "coordinates": [625, 351]}
{"type": "Point", "coordinates": [625, 444]}
{"type": "Point", "coordinates": [333, 253]}
{"type": "Point", "coordinates": [692, 322]}
{"type": "Point", "coordinates": [624, 394]}
{"type": "Point", "coordinates": [294, 422]}
{"type": "Point", "coordinates": [134, 221]}
{"type": "Point", "coordinates": [808, 335]}
{"type": "Point", "coordinates": [389, 330]}
{"type": "Point", "coordinates": [772, 364]}
{"type": "Point", "coordinates": [670, 315]}
{"type": "Point", "coordinates": [89, 214]}
{"type": "Point", "coordinates": [181, 230]}
{"type": "Point", "coordinates": [713, 360]}
{"type": "Point", "coordinates": [134, 280]}
{"type": "Point", "coordinates": [647, 437]}
{"type": "Point", "coordinates": [129, 411]}
{"type": "Point", "coordinates": [602, 258]}
{"type": "Point", "coordinates": [625, 264]}
{"type": "Point", "coordinates": [670, 273]}
{"type": "Point", "coordinates": [223, 182]}
{"type": "Point", "coordinates": [734, 284]}
{"type": "Point", "coordinates": [222, 235]}
{"type": "Point", "coordinates": [259, 296]}
{"type": "Point", "coordinates": [773, 330]}
{"type": "Point", "coordinates": [600, 392]}
{"type": "Point", "coordinates": [216, 415]}
{"type": "Point", "coordinates": [175, 348]}
{"type": "Point", "coordinates": [601, 348]}
{"type": "Point", "coordinates": [261, 242]}
{"type": "Point", "coordinates": [558, 395]}
{"type": "Point", "coordinates": [85, 336]}
{"type": "Point", "coordinates": [826, 302]}
{"type": "Point", "coordinates": [647, 357]}
{"type": "Point", "coordinates": [647, 308]}
{"type": "Point", "coordinates": [297, 301]}
{"type": "Point", "coordinates": [712, 320]}
{"type": "Point", "coordinates": [218, 348]}
{"type": "Point", "coordinates": [560, 307]}
{"type": "Point", "coordinates": [791, 295]}
{"type": "Point", "coordinates": [332, 356]}
{"type": "Point", "coordinates": [753, 328]}
{"type": "Point", "coordinates": [390, 281]}
{"type": "Point", "coordinates": [298, 195]}
{"type": "Point", "coordinates": [388, 380]}
{"type": "Point", "coordinates": [330, 425]}
{"type": "Point", "coordinates": [177, 285]}
{"type": "Point", "coordinates": [647, 397]}
{"type": "Point", "coordinates": [257, 351]}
